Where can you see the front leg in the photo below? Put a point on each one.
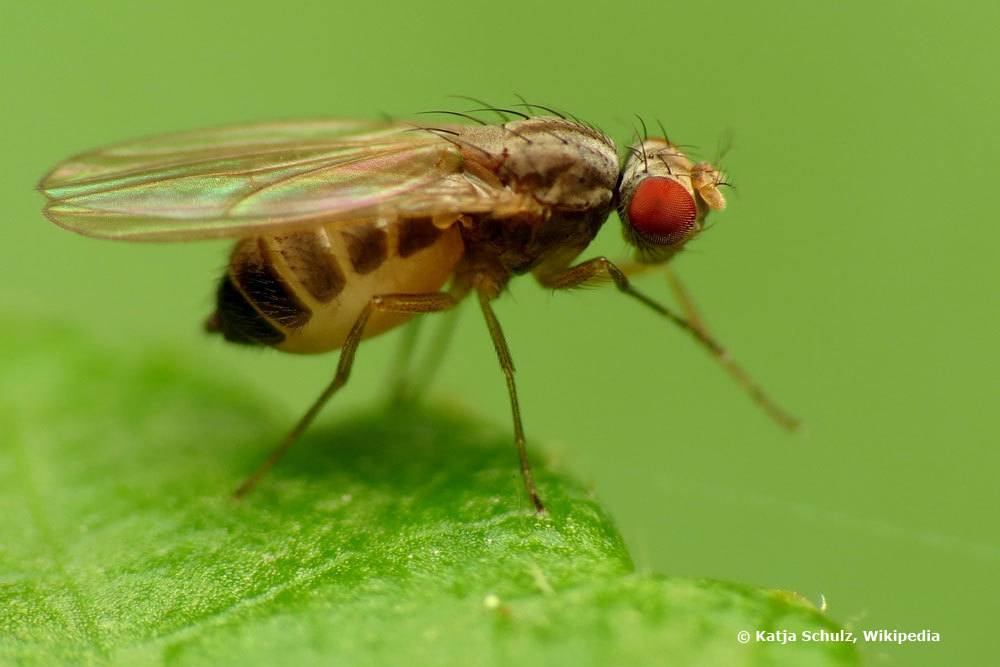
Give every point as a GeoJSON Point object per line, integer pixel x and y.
{"type": "Point", "coordinates": [601, 268]}
{"type": "Point", "coordinates": [691, 314]}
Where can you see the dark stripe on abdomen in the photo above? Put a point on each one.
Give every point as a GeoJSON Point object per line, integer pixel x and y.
{"type": "Point", "coordinates": [416, 234]}
{"type": "Point", "coordinates": [312, 263]}
{"type": "Point", "coordinates": [367, 246]}
{"type": "Point", "coordinates": [264, 288]}
{"type": "Point", "coordinates": [240, 322]}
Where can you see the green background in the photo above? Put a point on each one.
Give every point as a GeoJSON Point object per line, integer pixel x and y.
{"type": "Point", "coordinates": [854, 274]}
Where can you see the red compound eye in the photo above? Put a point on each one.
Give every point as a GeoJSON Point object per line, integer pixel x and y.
{"type": "Point", "coordinates": [662, 210]}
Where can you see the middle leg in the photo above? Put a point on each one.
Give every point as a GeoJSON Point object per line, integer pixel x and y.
{"type": "Point", "coordinates": [400, 376]}
{"type": "Point", "coordinates": [391, 303]}
{"type": "Point", "coordinates": [507, 365]}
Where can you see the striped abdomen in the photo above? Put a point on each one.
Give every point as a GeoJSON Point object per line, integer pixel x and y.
{"type": "Point", "coordinates": [303, 291]}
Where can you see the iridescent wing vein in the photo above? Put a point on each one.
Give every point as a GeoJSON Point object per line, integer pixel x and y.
{"type": "Point", "coordinates": [251, 179]}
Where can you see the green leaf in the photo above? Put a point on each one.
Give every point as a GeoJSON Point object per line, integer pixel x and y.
{"type": "Point", "coordinates": [400, 536]}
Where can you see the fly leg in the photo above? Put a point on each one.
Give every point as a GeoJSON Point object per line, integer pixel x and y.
{"type": "Point", "coordinates": [691, 314]}
{"type": "Point", "coordinates": [683, 297]}
{"type": "Point", "coordinates": [600, 268]}
{"type": "Point", "coordinates": [399, 376]}
{"type": "Point", "coordinates": [436, 349]}
{"type": "Point", "coordinates": [408, 386]}
{"type": "Point", "coordinates": [389, 303]}
{"type": "Point", "coordinates": [507, 366]}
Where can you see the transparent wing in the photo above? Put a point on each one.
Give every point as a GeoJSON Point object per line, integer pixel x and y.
{"type": "Point", "coordinates": [239, 180]}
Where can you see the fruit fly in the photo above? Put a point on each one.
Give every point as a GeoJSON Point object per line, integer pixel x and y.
{"type": "Point", "coordinates": [348, 228]}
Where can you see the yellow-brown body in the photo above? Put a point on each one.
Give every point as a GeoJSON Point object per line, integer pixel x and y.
{"type": "Point", "coordinates": [302, 292]}
{"type": "Point", "coordinates": [347, 228]}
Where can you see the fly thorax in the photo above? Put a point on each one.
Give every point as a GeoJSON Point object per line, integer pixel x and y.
{"type": "Point", "coordinates": [560, 163]}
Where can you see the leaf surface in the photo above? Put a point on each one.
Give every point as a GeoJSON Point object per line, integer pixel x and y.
{"type": "Point", "coordinates": [400, 536]}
